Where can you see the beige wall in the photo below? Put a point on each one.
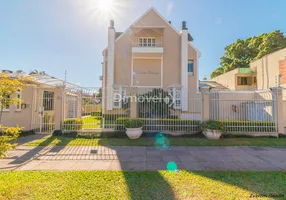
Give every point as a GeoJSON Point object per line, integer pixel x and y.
{"type": "Point", "coordinates": [268, 69]}
{"type": "Point", "coordinates": [147, 72]}
{"type": "Point", "coordinates": [228, 79]}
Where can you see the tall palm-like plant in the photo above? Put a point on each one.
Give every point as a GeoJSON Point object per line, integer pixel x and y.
{"type": "Point", "coordinates": [36, 72]}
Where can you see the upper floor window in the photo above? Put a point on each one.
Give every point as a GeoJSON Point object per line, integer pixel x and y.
{"type": "Point", "coordinates": [7, 106]}
{"type": "Point", "coordinates": [190, 67]}
{"type": "Point", "coordinates": [242, 81]}
{"type": "Point", "coordinates": [147, 42]}
{"type": "Point", "coordinates": [48, 100]}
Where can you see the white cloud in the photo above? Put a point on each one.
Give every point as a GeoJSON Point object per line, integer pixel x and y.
{"type": "Point", "coordinates": [170, 7]}
{"type": "Point", "coordinates": [218, 21]}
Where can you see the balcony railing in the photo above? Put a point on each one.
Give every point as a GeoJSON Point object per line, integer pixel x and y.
{"type": "Point", "coordinates": [137, 44]}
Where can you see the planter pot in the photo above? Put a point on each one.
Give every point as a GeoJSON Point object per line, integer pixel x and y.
{"type": "Point", "coordinates": [212, 134]}
{"type": "Point", "coordinates": [134, 133]}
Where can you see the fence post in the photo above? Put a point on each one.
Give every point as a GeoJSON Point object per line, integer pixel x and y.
{"type": "Point", "coordinates": [59, 106]}
{"type": "Point", "coordinates": [79, 103]}
{"type": "Point", "coordinates": [205, 103]}
{"type": "Point", "coordinates": [133, 103]}
{"type": "Point", "coordinates": [277, 91]}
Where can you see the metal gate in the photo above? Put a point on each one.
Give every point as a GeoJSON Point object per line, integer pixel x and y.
{"type": "Point", "coordinates": [244, 111]}
{"type": "Point", "coordinates": [43, 119]}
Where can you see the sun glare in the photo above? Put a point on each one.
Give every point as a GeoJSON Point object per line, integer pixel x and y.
{"type": "Point", "coordinates": [105, 5]}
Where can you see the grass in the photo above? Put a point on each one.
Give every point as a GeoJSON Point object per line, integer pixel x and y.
{"type": "Point", "coordinates": [151, 141]}
{"type": "Point", "coordinates": [142, 185]}
{"type": "Point", "coordinates": [91, 122]}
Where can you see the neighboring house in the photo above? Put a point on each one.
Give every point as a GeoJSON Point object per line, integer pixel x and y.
{"type": "Point", "coordinates": [39, 105]}
{"type": "Point", "coordinates": [150, 54]}
{"type": "Point", "coordinates": [264, 73]}
{"type": "Point", "coordinates": [212, 85]}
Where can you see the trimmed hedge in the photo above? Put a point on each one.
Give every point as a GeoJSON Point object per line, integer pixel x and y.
{"type": "Point", "coordinates": [96, 113]}
{"type": "Point", "coordinates": [72, 124]}
{"type": "Point", "coordinates": [163, 124]}
{"type": "Point", "coordinates": [248, 126]}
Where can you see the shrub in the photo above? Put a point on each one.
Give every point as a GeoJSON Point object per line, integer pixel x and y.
{"type": "Point", "coordinates": [72, 124]}
{"type": "Point", "coordinates": [133, 123]}
{"type": "Point", "coordinates": [96, 113]}
{"type": "Point", "coordinates": [26, 133]}
{"type": "Point", "coordinates": [57, 133]}
{"type": "Point", "coordinates": [157, 124]}
{"type": "Point", "coordinates": [70, 134]}
{"type": "Point", "coordinates": [248, 126]}
{"type": "Point", "coordinates": [213, 125]}
{"type": "Point", "coordinates": [8, 134]}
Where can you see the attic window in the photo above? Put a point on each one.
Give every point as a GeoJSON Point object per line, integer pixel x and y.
{"type": "Point", "coordinates": [147, 42]}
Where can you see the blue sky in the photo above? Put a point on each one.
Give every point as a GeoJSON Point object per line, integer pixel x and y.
{"type": "Point", "coordinates": [59, 35]}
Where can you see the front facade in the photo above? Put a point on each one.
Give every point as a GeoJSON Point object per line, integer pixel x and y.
{"type": "Point", "coordinates": [262, 74]}
{"type": "Point", "coordinates": [151, 53]}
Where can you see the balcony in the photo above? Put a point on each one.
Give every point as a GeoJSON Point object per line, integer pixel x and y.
{"type": "Point", "coordinates": [147, 48]}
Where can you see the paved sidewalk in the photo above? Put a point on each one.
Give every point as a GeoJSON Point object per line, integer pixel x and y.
{"type": "Point", "coordinates": [144, 158]}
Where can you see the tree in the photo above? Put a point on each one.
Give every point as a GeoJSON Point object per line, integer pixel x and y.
{"type": "Point", "coordinates": [153, 104]}
{"type": "Point", "coordinates": [7, 135]}
{"type": "Point", "coordinates": [242, 52]}
{"type": "Point", "coordinates": [8, 87]}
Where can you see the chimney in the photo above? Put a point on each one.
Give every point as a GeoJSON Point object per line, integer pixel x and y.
{"type": "Point", "coordinates": [110, 65]}
{"type": "Point", "coordinates": [111, 24]}
{"type": "Point", "coordinates": [184, 25]}
{"type": "Point", "coordinates": [184, 66]}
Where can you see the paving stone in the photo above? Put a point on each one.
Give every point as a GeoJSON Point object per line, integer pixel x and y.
{"type": "Point", "coordinates": [82, 165]}
{"type": "Point", "coordinates": [44, 165]}
{"type": "Point", "coordinates": [64, 165]}
{"type": "Point", "coordinates": [133, 166]}
{"type": "Point", "coordinates": [100, 165]}
{"type": "Point", "coordinates": [171, 158]}
{"type": "Point", "coordinates": [155, 158]}
{"type": "Point", "coordinates": [154, 166]}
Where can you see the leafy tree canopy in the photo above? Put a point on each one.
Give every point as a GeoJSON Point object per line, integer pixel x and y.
{"type": "Point", "coordinates": [242, 52]}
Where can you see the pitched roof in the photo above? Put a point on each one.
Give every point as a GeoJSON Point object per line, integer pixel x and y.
{"type": "Point", "coordinates": [167, 22]}
{"type": "Point", "coordinates": [245, 71]}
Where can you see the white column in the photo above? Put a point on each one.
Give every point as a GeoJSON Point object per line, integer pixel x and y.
{"type": "Point", "coordinates": [184, 68]}
{"type": "Point", "coordinates": [110, 65]}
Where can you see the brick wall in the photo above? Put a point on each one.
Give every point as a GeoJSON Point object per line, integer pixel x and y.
{"type": "Point", "coordinates": [282, 71]}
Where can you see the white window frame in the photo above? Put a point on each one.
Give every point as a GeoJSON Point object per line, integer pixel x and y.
{"type": "Point", "coordinates": [122, 92]}
{"type": "Point", "coordinates": [176, 94]}
{"type": "Point", "coordinates": [7, 109]}
{"type": "Point", "coordinates": [191, 73]}
{"type": "Point", "coordinates": [150, 42]}
{"type": "Point", "coordinates": [19, 96]}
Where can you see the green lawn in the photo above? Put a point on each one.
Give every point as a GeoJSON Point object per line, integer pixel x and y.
{"type": "Point", "coordinates": [142, 185]}
{"type": "Point", "coordinates": [151, 141]}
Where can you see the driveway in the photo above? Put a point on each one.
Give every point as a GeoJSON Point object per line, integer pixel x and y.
{"type": "Point", "coordinates": [143, 158]}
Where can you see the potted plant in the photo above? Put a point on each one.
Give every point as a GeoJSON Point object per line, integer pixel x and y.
{"type": "Point", "coordinates": [133, 128]}
{"type": "Point", "coordinates": [212, 129]}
